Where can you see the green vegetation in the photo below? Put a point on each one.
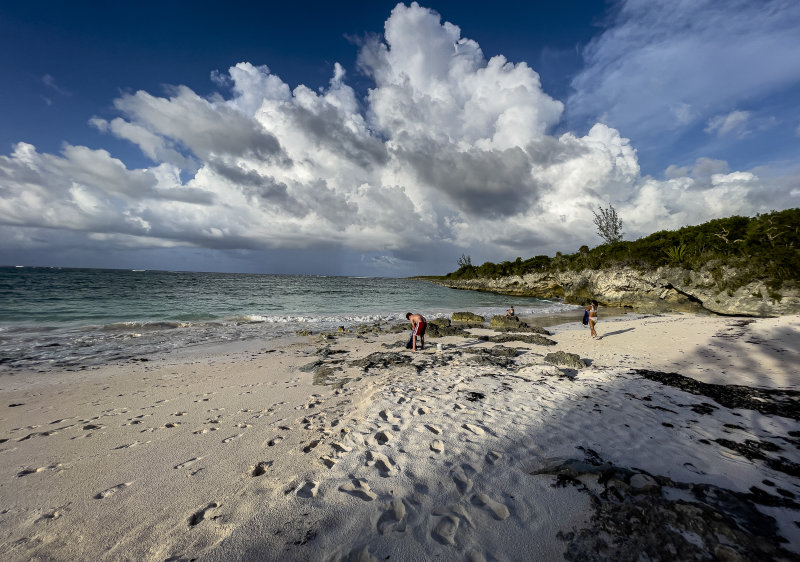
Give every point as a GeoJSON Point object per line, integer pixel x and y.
{"type": "Point", "coordinates": [609, 225]}
{"type": "Point", "coordinates": [765, 247]}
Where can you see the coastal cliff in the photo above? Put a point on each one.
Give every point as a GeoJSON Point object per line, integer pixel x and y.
{"type": "Point", "coordinates": [665, 289]}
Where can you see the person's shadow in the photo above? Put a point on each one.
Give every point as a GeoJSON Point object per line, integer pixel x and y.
{"type": "Point", "coordinates": [615, 333]}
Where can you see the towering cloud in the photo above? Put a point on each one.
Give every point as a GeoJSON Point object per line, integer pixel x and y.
{"type": "Point", "coordinates": [446, 146]}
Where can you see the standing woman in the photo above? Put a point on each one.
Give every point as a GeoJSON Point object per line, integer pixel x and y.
{"type": "Point", "coordinates": [592, 309]}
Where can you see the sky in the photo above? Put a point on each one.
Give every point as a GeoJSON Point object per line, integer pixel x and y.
{"type": "Point", "coordinates": [384, 139]}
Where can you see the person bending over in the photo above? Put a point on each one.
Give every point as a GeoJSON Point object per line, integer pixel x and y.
{"type": "Point", "coordinates": [418, 325]}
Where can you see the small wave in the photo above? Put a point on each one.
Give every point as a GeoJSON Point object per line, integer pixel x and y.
{"type": "Point", "coordinates": [250, 319]}
{"type": "Point", "coordinates": [157, 325]}
{"type": "Point", "coordinates": [195, 317]}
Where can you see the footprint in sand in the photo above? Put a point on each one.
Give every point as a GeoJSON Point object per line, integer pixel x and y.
{"type": "Point", "coordinates": [462, 481]}
{"type": "Point", "coordinates": [359, 489]}
{"type": "Point", "coordinates": [274, 441]}
{"type": "Point", "coordinates": [308, 448]}
{"type": "Point", "coordinates": [134, 444]}
{"type": "Point", "coordinates": [384, 464]}
{"type": "Point", "coordinates": [692, 468]}
{"type": "Point", "coordinates": [26, 471]}
{"type": "Point", "coordinates": [437, 446]}
{"type": "Point", "coordinates": [184, 464]}
{"type": "Point", "coordinates": [493, 456]}
{"type": "Point", "coordinates": [111, 491]}
{"type": "Point", "coordinates": [458, 510]}
{"type": "Point", "coordinates": [473, 428]}
{"type": "Point", "coordinates": [435, 429]}
{"type": "Point", "coordinates": [388, 416]}
{"type": "Point", "coordinates": [197, 517]}
{"type": "Point", "coordinates": [231, 438]}
{"type": "Point", "coordinates": [260, 468]}
{"type": "Point", "coordinates": [393, 519]}
{"type": "Point", "coordinates": [383, 437]}
{"type": "Point", "coordinates": [340, 447]}
{"type": "Point", "coordinates": [445, 530]}
{"type": "Point", "coordinates": [308, 490]}
{"type": "Point", "coordinates": [40, 434]}
{"type": "Point", "coordinates": [499, 510]}
{"type": "Point", "coordinates": [55, 514]}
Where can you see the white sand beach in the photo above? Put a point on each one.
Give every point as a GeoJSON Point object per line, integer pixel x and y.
{"type": "Point", "coordinates": [234, 453]}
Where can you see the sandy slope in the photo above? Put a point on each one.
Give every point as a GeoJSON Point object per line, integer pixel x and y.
{"type": "Point", "coordinates": [237, 455]}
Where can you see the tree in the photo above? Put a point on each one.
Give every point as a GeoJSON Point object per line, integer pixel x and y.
{"type": "Point", "coordinates": [609, 225]}
{"type": "Point", "coordinates": [464, 261]}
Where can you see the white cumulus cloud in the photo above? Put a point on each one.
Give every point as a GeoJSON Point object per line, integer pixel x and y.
{"type": "Point", "coordinates": [448, 147]}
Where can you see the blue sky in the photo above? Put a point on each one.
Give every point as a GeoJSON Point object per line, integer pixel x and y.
{"type": "Point", "coordinates": [373, 138]}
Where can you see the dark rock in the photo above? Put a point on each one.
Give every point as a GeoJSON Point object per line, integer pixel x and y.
{"type": "Point", "coordinates": [440, 322]}
{"type": "Point", "coordinates": [325, 376]}
{"type": "Point", "coordinates": [497, 356]}
{"type": "Point", "coordinates": [524, 328]}
{"type": "Point", "coordinates": [327, 351]}
{"type": "Point", "coordinates": [565, 359]}
{"type": "Point", "coordinates": [308, 368]}
{"type": "Point", "coordinates": [768, 401]}
{"type": "Point", "coordinates": [380, 360]}
{"type": "Point", "coordinates": [524, 338]}
{"type": "Point", "coordinates": [439, 331]}
{"type": "Point", "coordinates": [368, 329]}
{"type": "Point", "coordinates": [495, 351]}
{"type": "Point", "coordinates": [628, 524]}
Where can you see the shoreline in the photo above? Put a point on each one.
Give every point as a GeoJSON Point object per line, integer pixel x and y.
{"type": "Point", "coordinates": [233, 452]}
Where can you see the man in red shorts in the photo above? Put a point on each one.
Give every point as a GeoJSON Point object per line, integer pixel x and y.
{"type": "Point", "coordinates": [418, 325]}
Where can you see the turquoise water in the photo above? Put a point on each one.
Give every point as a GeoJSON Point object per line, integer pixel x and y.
{"type": "Point", "coordinates": [55, 317]}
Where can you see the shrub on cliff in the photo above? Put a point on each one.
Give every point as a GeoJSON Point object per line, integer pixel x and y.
{"type": "Point", "coordinates": [765, 247]}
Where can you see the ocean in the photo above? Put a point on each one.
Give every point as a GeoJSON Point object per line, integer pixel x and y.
{"type": "Point", "coordinates": [53, 318]}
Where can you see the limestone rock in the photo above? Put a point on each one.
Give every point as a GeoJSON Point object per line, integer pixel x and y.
{"type": "Point", "coordinates": [566, 359]}
{"type": "Point", "coordinates": [468, 317]}
{"type": "Point", "coordinates": [505, 322]}
{"type": "Point", "coordinates": [665, 289]}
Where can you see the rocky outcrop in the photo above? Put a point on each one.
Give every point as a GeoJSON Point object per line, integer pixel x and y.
{"type": "Point", "coordinates": [665, 289]}
{"type": "Point", "coordinates": [566, 359]}
{"type": "Point", "coordinates": [468, 317]}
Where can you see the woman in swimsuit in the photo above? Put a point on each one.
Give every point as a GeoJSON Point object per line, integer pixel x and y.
{"type": "Point", "coordinates": [592, 308]}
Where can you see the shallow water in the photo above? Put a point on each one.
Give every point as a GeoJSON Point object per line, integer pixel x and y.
{"type": "Point", "coordinates": [59, 317]}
